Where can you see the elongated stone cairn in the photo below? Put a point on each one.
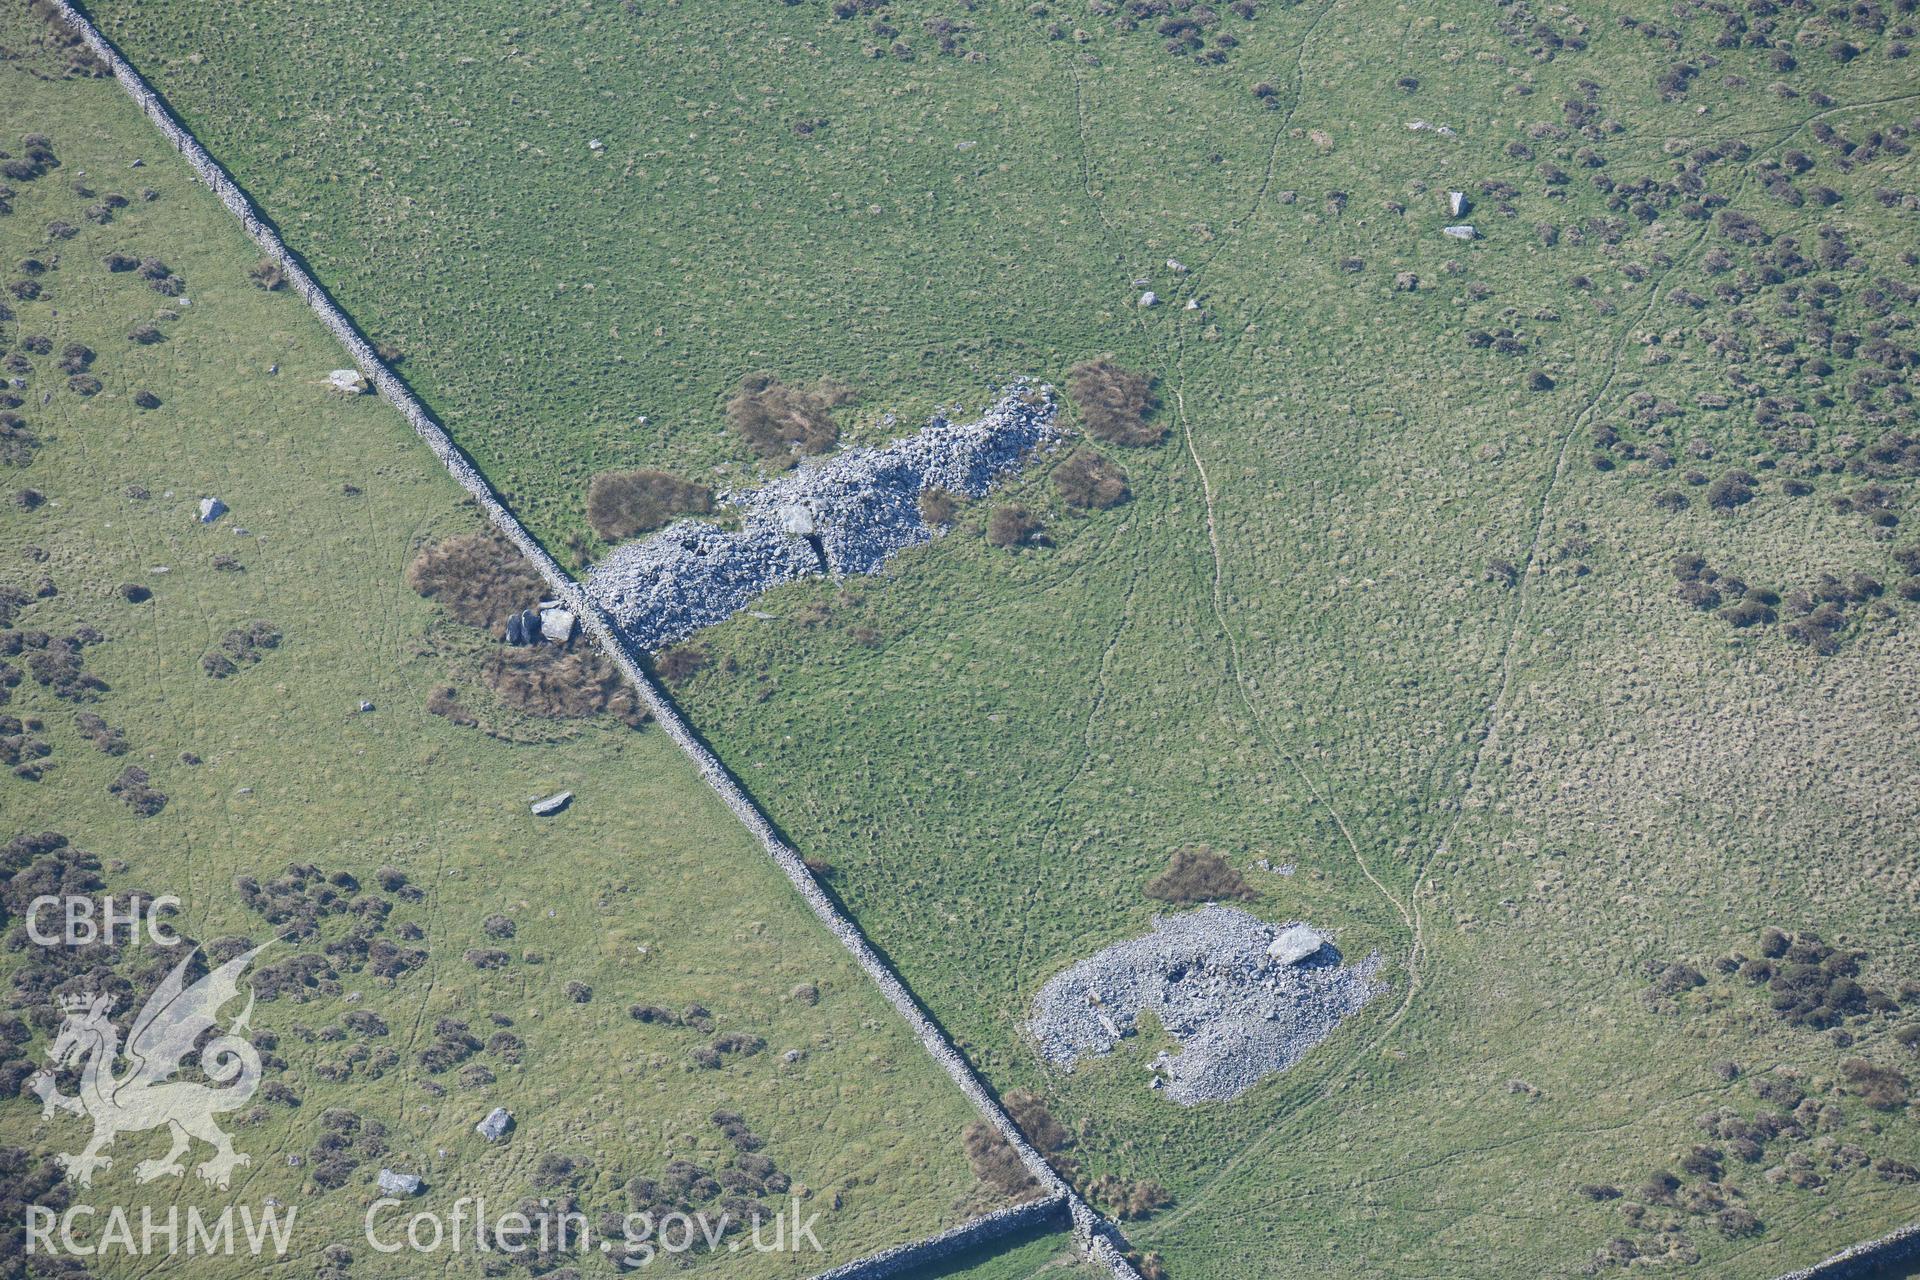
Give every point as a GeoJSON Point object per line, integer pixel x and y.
{"type": "Point", "coordinates": [839, 515]}
{"type": "Point", "coordinates": [1098, 1238]}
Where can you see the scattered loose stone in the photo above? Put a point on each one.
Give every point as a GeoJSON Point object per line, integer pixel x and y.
{"type": "Point", "coordinates": [1464, 231]}
{"type": "Point", "coordinates": [211, 509]}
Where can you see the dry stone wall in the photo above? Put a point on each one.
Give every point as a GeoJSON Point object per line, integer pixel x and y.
{"type": "Point", "coordinates": [1096, 1235]}
{"type": "Point", "coordinates": [1865, 1260]}
{"type": "Point", "coordinates": [903, 1259]}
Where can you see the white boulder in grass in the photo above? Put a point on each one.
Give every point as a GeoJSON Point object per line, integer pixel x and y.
{"type": "Point", "coordinates": [1294, 944]}
{"type": "Point", "coordinates": [496, 1124]}
{"type": "Point", "coordinates": [552, 804]}
{"type": "Point", "coordinates": [400, 1184]}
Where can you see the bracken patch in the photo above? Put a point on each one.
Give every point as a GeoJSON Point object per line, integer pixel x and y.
{"type": "Point", "coordinates": [547, 681]}
{"type": "Point", "coordinates": [621, 504]}
{"type": "Point", "coordinates": [478, 578]}
{"type": "Point", "coordinates": [1114, 403]}
{"type": "Point", "coordinates": [1199, 874]}
{"type": "Point", "coordinates": [780, 422]}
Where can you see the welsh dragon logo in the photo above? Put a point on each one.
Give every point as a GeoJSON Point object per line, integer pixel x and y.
{"type": "Point", "coordinates": [144, 1096]}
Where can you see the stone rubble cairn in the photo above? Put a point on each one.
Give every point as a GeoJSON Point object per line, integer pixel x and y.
{"type": "Point", "coordinates": [1240, 1010]}
{"type": "Point", "coordinates": [842, 514]}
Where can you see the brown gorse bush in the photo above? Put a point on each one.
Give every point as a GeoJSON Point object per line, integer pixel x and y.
{"type": "Point", "coordinates": [559, 684]}
{"type": "Point", "coordinates": [1198, 874]}
{"type": "Point", "coordinates": [478, 578]}
{"type": "Point", "coordinates": [1012, 526]}
{"type": "Point", "coordinates": [1114, 403]}
{"type": "Point", "coordinates": [1128, 1199]}
{"type": "Point", "coordinates": [621, 504]}
{"type": "Point", "coordinates": [779, 422]}
{"type": "Point", "coordinates": [937, 506]}
{"type": "Point", "coordinates": [1086, 480]}
{"type": "Point", "coordinates": [444, 701]}
{"type": "Point", "coordinates": [1030, 1114]}
{"type": "Point", "coordinates": [995, 1162]}
{"type": "Point", "coordinates": [681, 663]}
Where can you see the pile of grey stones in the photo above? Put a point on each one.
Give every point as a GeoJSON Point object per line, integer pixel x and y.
{"type": "Point", "coordinates": [1238, 1012]}
{"type": "Point", "coordinates": [842, 514]}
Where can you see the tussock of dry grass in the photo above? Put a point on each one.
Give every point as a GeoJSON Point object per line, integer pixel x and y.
{"type": "Point", "coordinates": [622, 504]}
{"type": "Point", "coordinates": [1198, 875]}
{"type": "Point", "coordinates": [780, 422]}
{"type": "Point", "coordinates": [1114, 403]}
{"type": "Point", "coordinates": [547, 681]}
{"type": "Point", "coordinates": [478, 578]}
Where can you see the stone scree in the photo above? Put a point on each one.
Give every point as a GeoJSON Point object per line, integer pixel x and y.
{"type": "Point", "coordinates": [1099, 1239]}
{"type": "Point", "coordinates": [843, 514]}
{"type": "Point", "coordinates": [1239, 1013]}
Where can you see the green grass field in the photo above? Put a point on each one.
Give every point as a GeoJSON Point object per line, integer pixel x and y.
{"type": "Point", "coordinates": [1530, 790]}
{"type": "Point", "coordinates": [645, 890]}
